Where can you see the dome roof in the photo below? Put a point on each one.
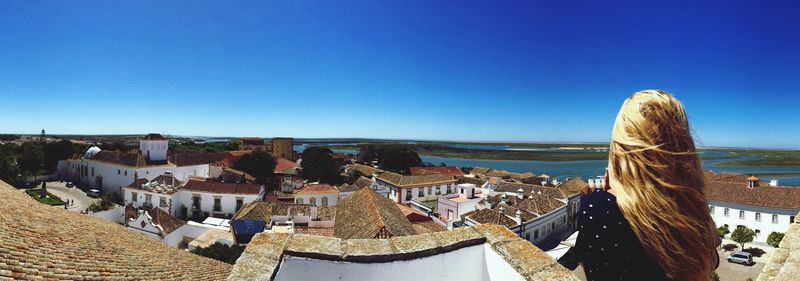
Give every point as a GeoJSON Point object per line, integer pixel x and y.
{"type": "Point", "coordinates": [91, 152]}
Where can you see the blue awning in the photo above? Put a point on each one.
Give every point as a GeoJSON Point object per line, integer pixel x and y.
{"type": "Point", "coordinates": [245, 227]}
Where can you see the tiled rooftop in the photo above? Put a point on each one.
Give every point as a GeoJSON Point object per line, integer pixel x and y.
{"type": "Point", "coordinates": [270, 256]}
{"type": "Point", "coordinates": [42, 242]}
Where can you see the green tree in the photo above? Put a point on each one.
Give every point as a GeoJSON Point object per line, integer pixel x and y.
{"type": "Point", "coordinates": [398, 158]}
{"type": "Point", "coordinates": [367, 153]}
{"type": "Point", "coordinates": [774, 238]}
{"type": "Point", "coordinates": [56, 151]}
{"type": "Point", "coordinates": [318, 165]}
{"type": "Point", "coordinates": [31, 158]}
{"type": "Point", "coordinates": [259, 164]}
{"type": "Point", "coordinates": [221, 252]}
{"type": "Point", "coordinates": [8, 162]}
{"type": "Point", "coordinates": [743, 235]}
{"type": "Point", "coordinates": [722, 231]}
{"type": "Point", "coordinates": [105, 203]}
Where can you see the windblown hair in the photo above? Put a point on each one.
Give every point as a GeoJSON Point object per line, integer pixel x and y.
{"type": "Point", "coordinates": [658, 180]}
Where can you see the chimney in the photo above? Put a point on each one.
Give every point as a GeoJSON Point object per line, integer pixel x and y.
{"type": "Point", "coordinates": [520, 194]}
{"type": "Point", "coordinates": [752, 182]}
{"type": "Point", "coordinates": [313, 212]}
{"type": "Point", "coordinates": [519, 217]}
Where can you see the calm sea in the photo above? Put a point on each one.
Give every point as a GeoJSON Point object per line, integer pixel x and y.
{"type": "Point", "coordinates": [586, 168]}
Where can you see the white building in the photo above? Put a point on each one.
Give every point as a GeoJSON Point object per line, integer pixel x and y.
{"type": "Point", "coordinates": [215, 199]}
{"type": "Point", "coordinates": [425, 187]}
{"type": "Point", "coordinates": [362, 182]}
{"type": "Point", "coordinates": [452, 206]}
{"type": "Point", "coordinates": [539, 214]}
{"type": "Point", "coordinates": [194, 199]}
{"type": "Point", "coordinates": [735, 199]}
{"type": "Point", "coordinates": [110, 171]}
{"type": "Point", "coordinates": [317, 195]}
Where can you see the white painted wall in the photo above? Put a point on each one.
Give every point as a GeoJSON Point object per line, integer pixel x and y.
{"type": "Point", "coordinates": [116, 215]}
{"type": "Point", "coordinates": [428, 192]}
{"type": "Point", "coordinates": [475, 263]}
{"type": "Point", "coordinates": [117, 176]}
{"type": "Point", "coordinates": [765, 226]}
{"type": "Point", "coordinates": [306, 199]}
{"type": "Point", "coordinates": [227, 203]}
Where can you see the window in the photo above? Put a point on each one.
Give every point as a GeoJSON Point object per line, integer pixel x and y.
{"type": "Point", "coordinates": [430, 190]}
{"type": "Point", "coordinates": [324, 201]}
{"type": "Point", "coordinates": [438, 191]}
{"type": "Point", "coordinates": [774, 218]}
{"type": "Point", "coordinates": [711, 209]}
{"type": "Point", "coordinates": [148, 198]}
{"type": "Point", "coordinates": [758, 231]}
{"type": "Point", "coordinates": [299, 200]}
{"type": "Point", "coordinates": [727, 212]}
{"type": "Point", "coordinates": [312, 201]}
{"type": "Point", "coordinates": [118, 172]}
{"type": "Point", "coordinates": [93, 171]}
{"type": "Point", "coordinates": [239, 203]}
{"type": "Point", "coordinates": [791, 219]}
{"type": "Point", "coordinates": [758, 216]}
{"type": "Point", "coordinates": [449, 190]}
{"type": "Point", "coordinates": [162, 202]}
{"type": "Point", "coordinates": [527, 236]}
{"type": "Point", "coordinates": [217, 204]}
{"type": "Point", "coordinates": [408, 195]}
{"type": "Point", "coordinates": [126, 173]}
{"type": "Point", "coordinates": [741, 215]}
{"type": "Point", "coordinates": [536, 234]}
{"type": "Point", "coordinates": [421, 192]}
{"type": "Point", "coordinates": [134, 197]}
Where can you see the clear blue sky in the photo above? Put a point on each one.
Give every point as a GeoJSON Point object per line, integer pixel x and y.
{"type": "Point", "coordinates": [456, 70]}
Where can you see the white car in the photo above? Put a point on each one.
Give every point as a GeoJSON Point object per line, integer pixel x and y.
{"type": "Point", "coordinates": [742, 258]}
{"type": "Point", "coordinates": [93, 193]}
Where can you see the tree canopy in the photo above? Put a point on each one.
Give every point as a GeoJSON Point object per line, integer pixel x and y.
{"type": "Point", "coordinates": [318, 165]}
{"type": "Point", "coordinates": [743, 235]}
{"type": "Point", "coordinates": [31, 158]}
{"type": "Point", "coordinates": [398, 158]}
{"type": "Point", "coordinates": [774, 238]}
{"type": "Point", "coordinates": [367, 153]}
{"type": "Point", "coordinates": [259, 164]}
{"type": "Point", "coordinates": [221, 252]}
{"type": "Point", "coordinates": [8, 162]}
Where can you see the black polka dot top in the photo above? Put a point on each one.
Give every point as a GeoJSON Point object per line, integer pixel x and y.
{"type": "Point", "coordinates": [606, 245]}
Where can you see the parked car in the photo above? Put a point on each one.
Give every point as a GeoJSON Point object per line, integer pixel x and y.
{"type": "Point", "coordinates": [70, 185]}
{"type": "Point", "coordinates": [742, 258]}
{"type": "Point", "coordinates": [93, 193]}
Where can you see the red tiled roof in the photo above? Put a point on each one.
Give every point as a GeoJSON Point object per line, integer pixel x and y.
{"type": "Point", "coordinates": [194, 158]}
{"type": "Point", "coordinates": [222, 187]}
{"type": "Point", "coordinates": [733, 188]}
{"type": "Point", "coordinates": [39, 242]}
{"type": "Point", "coordinates": [453, 171]}
{"type": "Point", "coordinates": [317, 189]}
{"type": "Point", "coordinates": [167, 222]}
{"type": "Point", "coordinates": [283, 164]}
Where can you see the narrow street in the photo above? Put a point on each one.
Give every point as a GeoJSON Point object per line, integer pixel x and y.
{"type": "Point", "coordinates": [79, 199]}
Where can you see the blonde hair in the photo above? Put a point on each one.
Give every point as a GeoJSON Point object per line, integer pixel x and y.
{"type": "Point", "coordinates": [656, 175]}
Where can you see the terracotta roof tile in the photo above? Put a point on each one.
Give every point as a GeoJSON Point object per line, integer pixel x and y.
{"type": "Point", "coordinates": [222, 187]}
{"type": "Point", "coordinates": [52, 243]}
{"type": "Point", "coordinates": [317, 189]}
{"type": "Point", "coordinates": [727, 187]}
{"type": "Point", "coordinates": [415, 180]}
{"type": "Point", "coordinates": [452, 171]}
{"type": "Point", "coordinates": [365, 214]}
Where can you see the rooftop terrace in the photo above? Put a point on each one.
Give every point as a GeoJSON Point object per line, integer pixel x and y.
{"type": "Point", "coordinates": [484, 252]}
